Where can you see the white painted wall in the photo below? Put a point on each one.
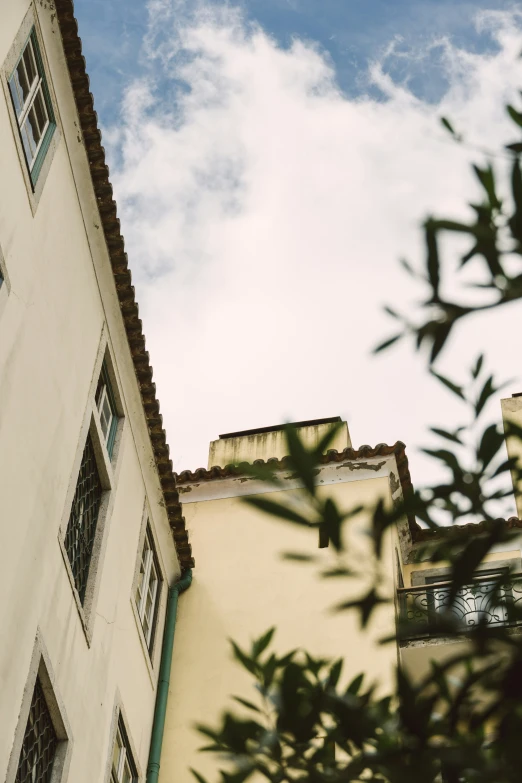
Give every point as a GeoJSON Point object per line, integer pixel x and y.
{"type": "Point", "coordinates": [61, 297]}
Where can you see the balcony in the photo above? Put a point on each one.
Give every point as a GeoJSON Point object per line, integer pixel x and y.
{"type": "Point", "coordinates": [425, 606]}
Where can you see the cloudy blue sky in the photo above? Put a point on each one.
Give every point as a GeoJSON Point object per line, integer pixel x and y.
{"type": "Point", "coordinates": [272, 161]}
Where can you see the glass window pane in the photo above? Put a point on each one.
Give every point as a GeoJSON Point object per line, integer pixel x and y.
{"type": "Point", "coordinates": [22, 83]}
{"type": "Point", "coordinates": [26, 141]}
{"type": "Point", "coordinates": [32, 131]}
{"type": "Point", "coordinates": [30, 65]}
{"type": "Point", "coordinates": [127, 774]}
{"type": "Point", "coordinates": [40, 110]}
{"type": "Point", "coordinates": [116, 753]}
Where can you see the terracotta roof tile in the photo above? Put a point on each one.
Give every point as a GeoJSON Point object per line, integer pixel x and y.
{"type": "Point", "coordinates": [418, 533]}
{"type": "Point", "coordinates": [122, 277]}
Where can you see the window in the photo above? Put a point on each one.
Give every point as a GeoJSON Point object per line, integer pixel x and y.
{"type": "Point", "coordinates": [106, 405]}
{"type": "Point", "coordinates": [123, 769]}
{"type": "Point", "coordinates": [81, 528]}
{"type": "Point", "coordinates": [32, 105]}
{"type": "Point", "coordinates": [147, 590]}
{"type": "Point", "coordinates": [39, 743]}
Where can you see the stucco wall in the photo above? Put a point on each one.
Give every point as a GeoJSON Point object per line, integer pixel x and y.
{"type": "Point", "coordinates": [61, 295]}
{"type": "Point", "coordinates": [241, 588]}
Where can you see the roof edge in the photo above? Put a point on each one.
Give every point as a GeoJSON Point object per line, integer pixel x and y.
{"type": "Point", "coordinates": [99, 170]}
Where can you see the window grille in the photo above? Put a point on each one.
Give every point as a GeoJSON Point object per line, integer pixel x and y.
{"type": "Point", "coordinates": [39, 743]}
{"type": "Point", "coordinates": [147, 590]}
{"type": "Point", "coordinates": [123, 769]}
{"type": "Point", "coordinates": [81, 528]}
{"type": "Point", "coordinates": [32, 105]}
{"type": "Point", "coordinates": [106, 405]}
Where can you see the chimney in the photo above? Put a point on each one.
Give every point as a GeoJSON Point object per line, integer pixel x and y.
{"type": "Point", "coordinates": [267, 442]}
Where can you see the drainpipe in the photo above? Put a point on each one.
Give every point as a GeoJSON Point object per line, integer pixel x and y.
{"type": "Point", "coordinates": [160, 709]}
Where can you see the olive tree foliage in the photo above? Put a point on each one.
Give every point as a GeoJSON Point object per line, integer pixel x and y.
{"type": "Point", "coordinates": [462, 721]}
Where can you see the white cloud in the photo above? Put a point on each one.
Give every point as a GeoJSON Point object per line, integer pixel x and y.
{"type": "Point", "coordinates": [264, 213]}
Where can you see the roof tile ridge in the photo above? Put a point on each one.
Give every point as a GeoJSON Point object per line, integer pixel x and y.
{"type": "Point", "coordinates": [122, 277]}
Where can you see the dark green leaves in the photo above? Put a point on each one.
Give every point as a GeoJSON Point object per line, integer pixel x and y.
{"type": "Point", "coordinates": [515, 115]}
{"type": "Point", "coordinates": [277, 510]}
{"type": "Point", "coordinates": [449, 127]}
{"type": "Point", "coordinates": [492, 441]}
{"type": "Point", "coordinates": [387, 343]}
{"type": "Point", "coordinates": [449, 384]}
{"type": "Point", "coordinates": [477, 366]}
{"type": "Point", "coordinates": [432, 259]}
{"type": "Point", "coordinates": [365, 605]}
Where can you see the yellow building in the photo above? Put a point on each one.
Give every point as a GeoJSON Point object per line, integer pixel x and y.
{"type": "Point", "coordinates": [243, 585]}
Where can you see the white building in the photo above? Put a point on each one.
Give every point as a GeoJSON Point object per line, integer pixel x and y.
{"type": "Point", "coordinates": [91, 533]}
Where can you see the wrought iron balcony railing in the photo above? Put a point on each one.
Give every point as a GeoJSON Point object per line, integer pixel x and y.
{"type": "Point", "coordinates": [427, 607]}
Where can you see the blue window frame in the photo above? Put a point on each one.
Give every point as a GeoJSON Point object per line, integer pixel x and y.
{"type": "Point", "coordinates": [106, 405]}
{"type": "Point", "coordinates": [32, 105]}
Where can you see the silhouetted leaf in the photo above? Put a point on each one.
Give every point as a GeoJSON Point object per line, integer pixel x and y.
{"type": "Point", "coordinates": [335, 673]}
{"type": "Point", "coordinates": [327, 438]}
{"type": "Point", "coordinates": [355, 685]}
{"type": "Point", "coordinates": [303, 461]}
{"type": "Point", "coordinates": [449, 384]}
{"type": "Point", "coordinates": [260, 645]}
{"type": "Point", "coordinates": [487, 391]}
{"type": "Point", "coordinates": [473, 553]}
{"type": "Point", "coordinates": [332, 523]}
{"type": "Point", "coordinates": [490, 444]}
{"type": "Point", "coordinates": [248, 704]}
{"type": "Point", "coordinates": [515, 222]}
{"type": "Point", "coordinates": [364, 605]}
{"type": "Point", "coordinates": [198, 777]}
{"type": "Point", "coordinates": [449, 127]}
{"type": "Point", "coordinates": [486, 178]}
{"type": "Point", "coordinates": [515, 115]}
{"type": "Point", "coordinates": [387, 343]}
{"type": "Point", "coordinates": [298, 557]}
{"type": "Point", "coordinates": [432, 259]}
{"type": "Point", "coordinates": [478, 366]}
{"type": "Point", "coordinates": [452, 436]}
{"type": "Point", "coordinates": [243, 658]}
{"type": "Point", "coordinates": [277, 510]}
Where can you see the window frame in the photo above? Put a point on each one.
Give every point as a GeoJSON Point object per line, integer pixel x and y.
{"type": "Point", "coordinates": [152, 561]}
{"type": "Point", "coordinates": [125, 755]}
{"type": "Point", "coordinates": [40, 669]}
{"type": "Point", "coordinates": [5, 286]}
{"type": "Point", "coordinates": [108, 471]}
{"type": "Point", "coordinates": [38, 86]}
{"type": "Point", "coordinates": [80, 527]}
{"type": "Point", "coordinates": [120, 726]}
{"type": "Point", "coordinates": [105, 394]}
{"type": "Point", "coordinates": [31, 26]}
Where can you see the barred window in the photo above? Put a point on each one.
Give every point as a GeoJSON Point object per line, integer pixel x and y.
{"type": "Point", "coordinates": [123, 769]}
{"type": "Point", "coordinates": [81, 528]}
{"type": "Point", "coordinates": [39, 743]}
{"type": "Point", "coordinates": [147, 589]}
{"type": "Point", "coordinates": [32, 105]}
{"type": "Point", "coordinates": [106, 405]}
